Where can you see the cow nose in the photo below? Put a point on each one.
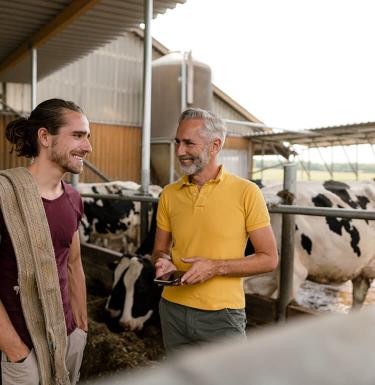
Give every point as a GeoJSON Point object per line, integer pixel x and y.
{"type": "Point", "coordinates": [124, 325]}
{"type": "Point", "coordinates": [127, 325]}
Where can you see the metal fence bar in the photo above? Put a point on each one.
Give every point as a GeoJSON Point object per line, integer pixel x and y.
{"type": "Point", "coordinates": [322, 212]}
{"type": "Point", "coordinates": [137, 198]}
{"type": "Point", "coordinates": [276, 209]}
{"type": "Point", "coordinates": [97, 172]}
{"type": "Point", "coordinates": [287, 247]}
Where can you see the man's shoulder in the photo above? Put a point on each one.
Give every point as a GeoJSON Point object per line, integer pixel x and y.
{"type": "Point", "coordinates": [239, 181]}
{"type": "Point", "coordinates": [171, 187]}
{"type": "Point", "coordinates": [71, 192]}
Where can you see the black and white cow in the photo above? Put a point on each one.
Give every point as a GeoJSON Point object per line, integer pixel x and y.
{"type": "Point", "coordinates": [113, 224]}
{"type": "Point", "coordinates": [327, 249]}
{"type": "Point", "coordinates": [135, 296]}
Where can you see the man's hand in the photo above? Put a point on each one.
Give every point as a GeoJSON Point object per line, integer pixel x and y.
{"type": "Point", "coordinates": [164, 266]}
{"type": "Point", "coordinates": [200, 271]}
{"type": "Point", "coordinates": [18, 353]}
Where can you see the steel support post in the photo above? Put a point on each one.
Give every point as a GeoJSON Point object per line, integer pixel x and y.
{"type": "Point", "coordinates": [287, 247]}
{"type": "Point", "coordinates": [146, 128]}
{"type": "Point", "coordinates": [183, 82]}
{"type": "Point", "coordinates": [34, 78]}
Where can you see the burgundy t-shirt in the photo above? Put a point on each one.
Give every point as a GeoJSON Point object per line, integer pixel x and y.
{"type": "Point", "coordinates": [63, 215]}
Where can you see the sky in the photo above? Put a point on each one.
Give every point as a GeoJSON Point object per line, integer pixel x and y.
{"type": "Point", "coordinates": [294, 64]}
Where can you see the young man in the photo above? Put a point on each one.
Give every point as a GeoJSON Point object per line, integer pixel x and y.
{"type": "Point", "coordinates": [203, 223]}
{"type": "Point", "coordinates": [43, 316]}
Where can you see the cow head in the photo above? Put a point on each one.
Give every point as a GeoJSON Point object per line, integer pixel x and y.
{"type": "Point", "coordinates": [134, 296]}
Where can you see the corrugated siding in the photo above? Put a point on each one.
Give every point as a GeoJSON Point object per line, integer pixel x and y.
{"type": "Point", "coordinates": [235, 161]}
{"type": "Point", "coordinates": [116, 153]}
{"type": "Point", "coordinates": [8, 160]}
{"type": "Point", "coordinates": [225, 111]}
{"type": "Point", "coordinates": [107, 84]}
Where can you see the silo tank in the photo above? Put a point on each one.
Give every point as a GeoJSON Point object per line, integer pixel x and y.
{"type": "Point", "coordinates": [166, 91]}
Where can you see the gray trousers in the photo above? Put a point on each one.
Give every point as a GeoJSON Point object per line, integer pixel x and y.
{"type": "Point", "coordinates": [183, 326]}
{"type": "Point", "coordinates": [26, 372]}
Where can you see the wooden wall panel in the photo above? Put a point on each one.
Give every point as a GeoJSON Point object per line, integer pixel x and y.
{"type": "Point", "coordinates": [116, 152]}
{"type": "Point", "coordinates": [236, 143]}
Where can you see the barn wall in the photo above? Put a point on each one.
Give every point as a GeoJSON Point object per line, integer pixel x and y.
{"type": "Point", "coordinates": [116, 152]}
{"type": "Point", "coordinates": [236, 143]}
{"type": "Point", "coordinates": [8, 160]}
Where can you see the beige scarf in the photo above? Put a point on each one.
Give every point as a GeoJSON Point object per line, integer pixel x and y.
{"type": "Point", "coordinates": [26, 221]}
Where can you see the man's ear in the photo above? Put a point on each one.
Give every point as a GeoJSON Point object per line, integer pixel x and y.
{"type": "Point", "coordinates": [216, 145]}
{"type": "Point", "coordinates": [44, 137]}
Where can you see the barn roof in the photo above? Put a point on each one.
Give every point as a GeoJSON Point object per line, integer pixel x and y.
{"type": "Point", "coordinates": [62, 30]}
{"type": "Point", "coordinates": [348, 134]}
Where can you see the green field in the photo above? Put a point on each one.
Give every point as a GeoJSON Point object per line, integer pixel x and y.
{"type": "Point", "coordinates": [275, 174]}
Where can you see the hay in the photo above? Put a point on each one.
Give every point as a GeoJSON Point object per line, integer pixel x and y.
{"type": "Point", "coordinates": [111, 351]}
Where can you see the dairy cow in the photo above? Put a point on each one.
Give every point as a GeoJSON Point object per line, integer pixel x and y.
{"type": "Point", "coordinates": [135, 297]}
{"type": "Point", "coordinates": [113, 224]}
{"type": "Point", "coordinates": [327, 249]}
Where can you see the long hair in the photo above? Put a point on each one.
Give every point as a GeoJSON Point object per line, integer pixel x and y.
{"type": "Point", "coordinates": [23, 133]}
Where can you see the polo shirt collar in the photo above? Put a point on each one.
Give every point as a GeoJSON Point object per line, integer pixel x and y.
{"type": "Point", "coordinates": [184, 181]}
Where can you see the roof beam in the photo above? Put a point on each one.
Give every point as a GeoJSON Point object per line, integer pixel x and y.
{"type": "Point", "coordinates": [72, 12]}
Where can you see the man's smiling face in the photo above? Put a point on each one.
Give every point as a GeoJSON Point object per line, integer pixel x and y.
{"type": "Point", "coordinates": [192, 149]}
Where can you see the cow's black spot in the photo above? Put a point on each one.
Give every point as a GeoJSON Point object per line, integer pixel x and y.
{"type": "Point", "coordinates": [118, 294]}
{"type": "Point", "coordinates": [363, 201]}
{"type": "Point", "coordinates": [258, 182]}
{"type": "Point", "coordinates": [337, 225]}
{"type": "Point", "coordinates": [321, 200]}
{"type": "Point", "coordinates": [306, 243]}
{"type": "Point", "coordinates": [296, 227]}
{"type": "Point", "coordinates": [341, 190]}
{"type": "Point", "coordinates": [146, 292]}
{"type": "Point", "coordinates": [148, 244]}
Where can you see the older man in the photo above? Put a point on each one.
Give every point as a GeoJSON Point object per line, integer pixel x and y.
{"type": "Point", "coordinates": [203, 223]}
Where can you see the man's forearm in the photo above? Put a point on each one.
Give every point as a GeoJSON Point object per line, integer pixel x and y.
{"type": "Point", "coordinates": [77, 289]}
{"type": "Point", "coordinates": [257, 263]}
{"type": "Point", "coordinates": [10, 342]}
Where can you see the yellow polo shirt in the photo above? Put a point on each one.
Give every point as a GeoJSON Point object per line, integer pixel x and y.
{"type": "Point", "coordinates": [213, 223]}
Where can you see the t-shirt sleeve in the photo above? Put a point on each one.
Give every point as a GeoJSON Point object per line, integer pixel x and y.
{"type": "Point", "coordinates": [162, 217]}
{"type": "Point", "coordinates": [256, 212]}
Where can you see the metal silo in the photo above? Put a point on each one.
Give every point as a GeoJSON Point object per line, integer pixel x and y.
{"type": "Point", "coordinates": [178, 82]}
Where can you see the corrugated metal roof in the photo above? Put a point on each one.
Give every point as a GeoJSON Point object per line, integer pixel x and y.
{"type": "Point", "coordinates": [348, 134]}
{"type": "Point", "coordinates": [63, 30]}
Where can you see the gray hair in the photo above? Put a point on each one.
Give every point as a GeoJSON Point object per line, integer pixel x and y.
{"type": "Point", "coordinates": [213, 126]}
